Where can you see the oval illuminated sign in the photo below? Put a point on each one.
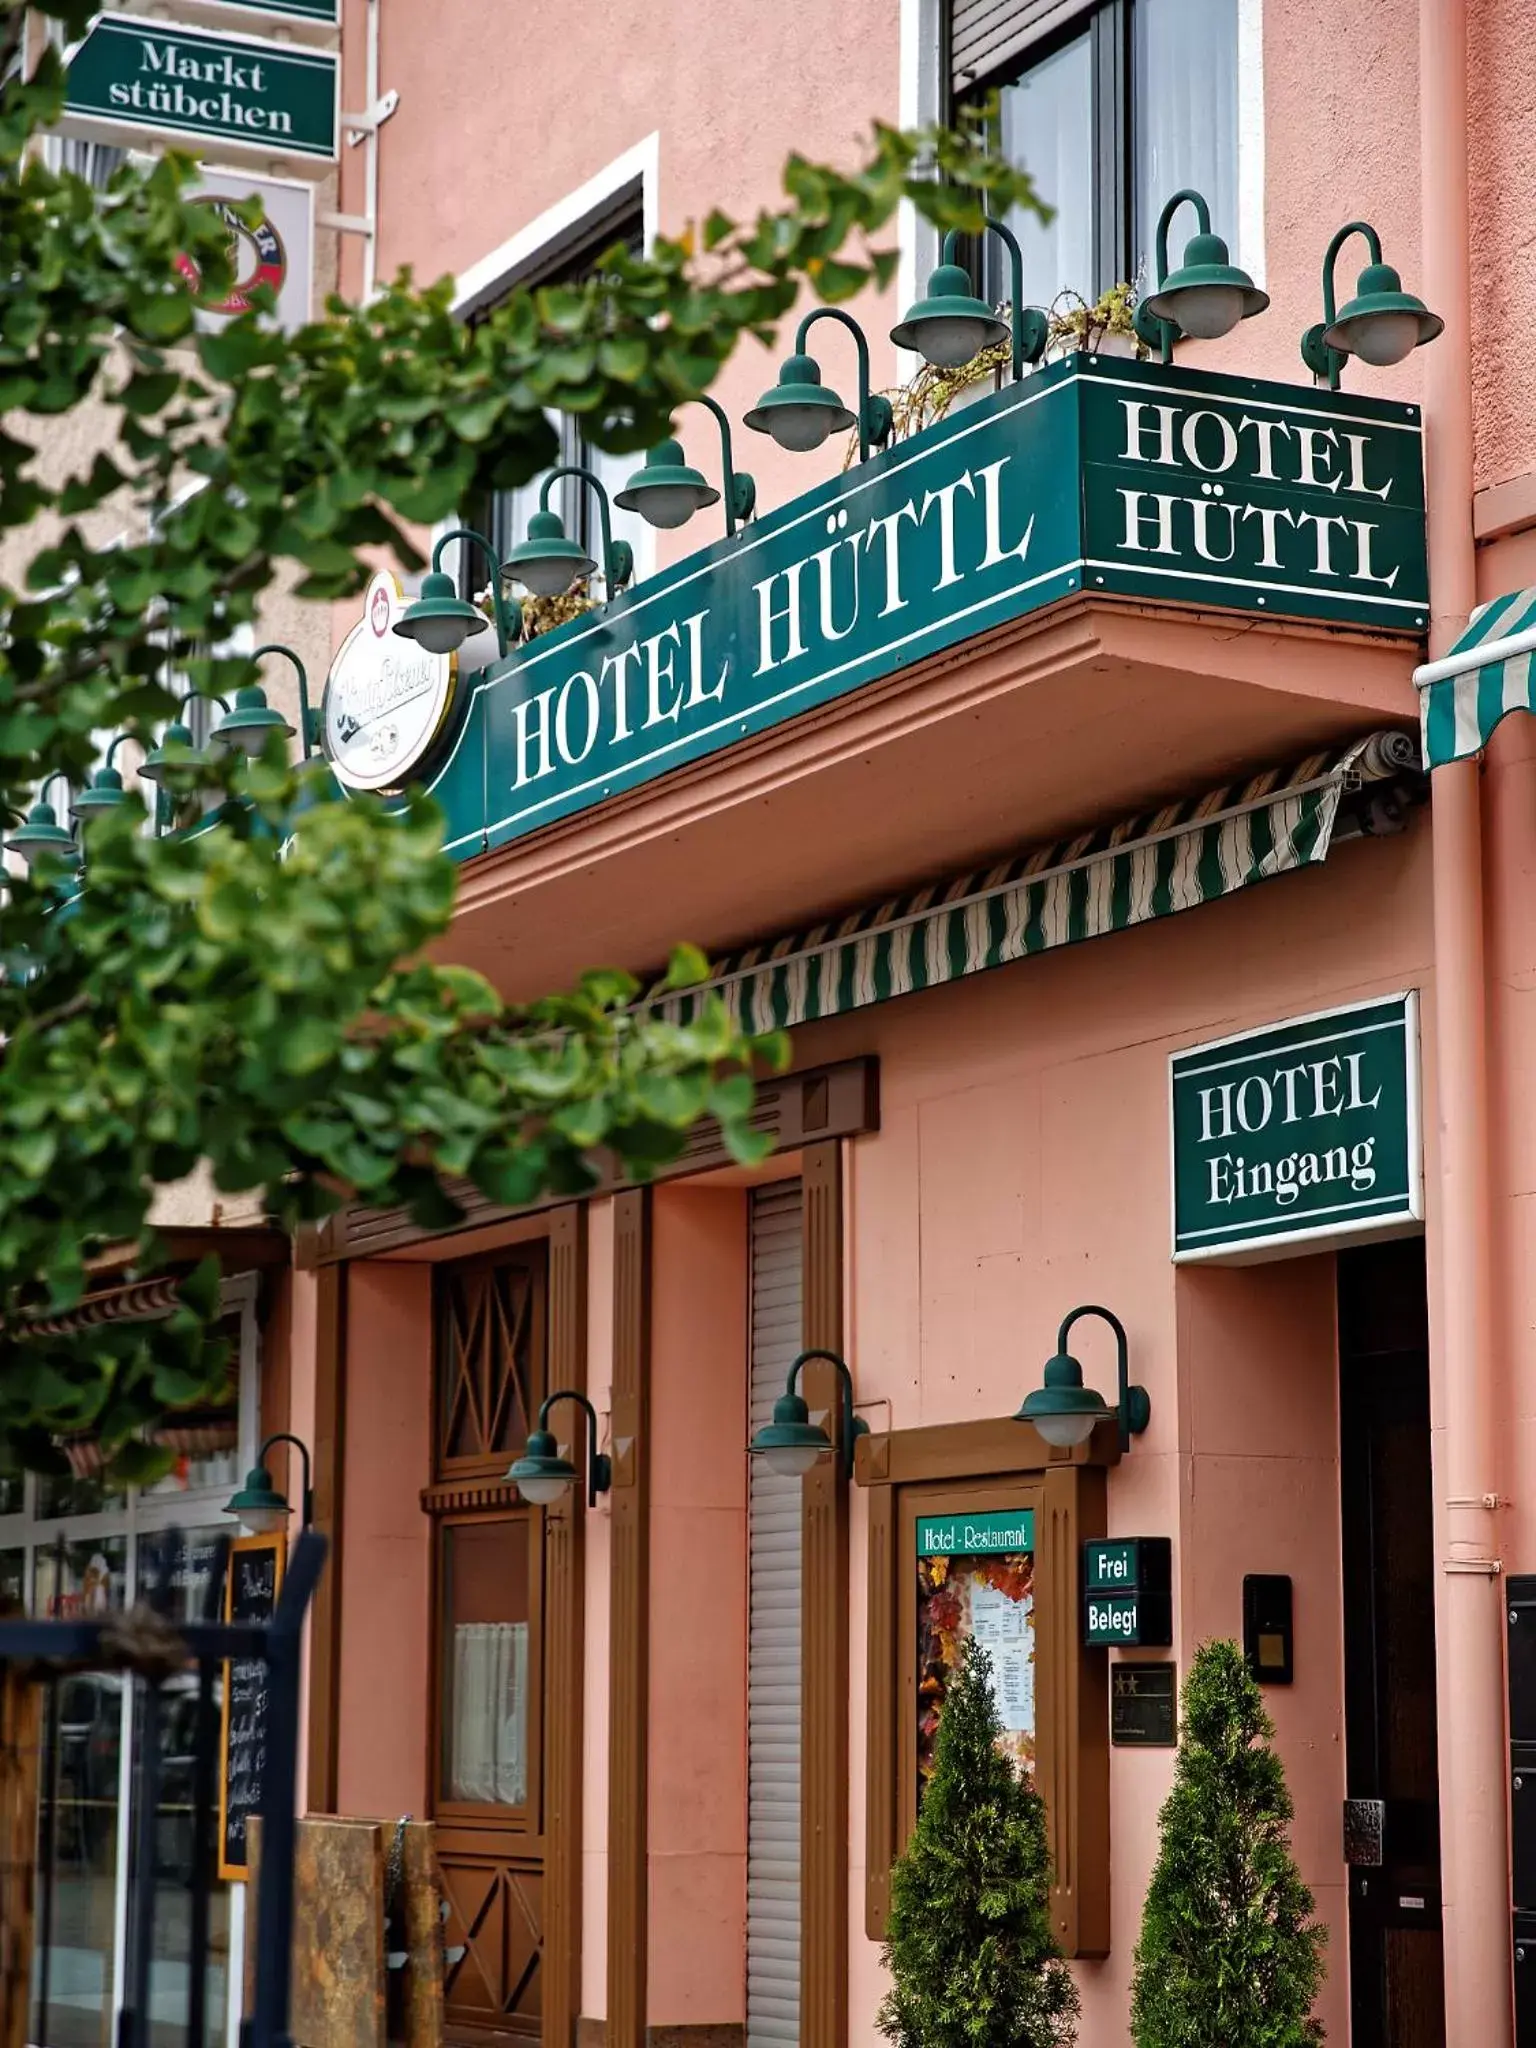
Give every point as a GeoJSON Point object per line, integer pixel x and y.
{"type": "Point", "coordinates": [386, 699]}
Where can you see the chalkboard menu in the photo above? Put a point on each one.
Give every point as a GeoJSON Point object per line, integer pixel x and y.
{"type": "Point", "coordinates": [250, 1595]}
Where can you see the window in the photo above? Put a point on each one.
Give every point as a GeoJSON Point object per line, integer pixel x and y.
{"type": "Point", "coordinates": [572, 259]}
{"type": "Point", "coordinates": [1111, 108]}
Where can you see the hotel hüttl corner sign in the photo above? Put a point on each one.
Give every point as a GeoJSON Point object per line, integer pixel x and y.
{"type": "Point", "coordinates": [1303, 1130]}
{"type": "Point", "coordinates": [1097, 477]}
{"type": "Point", "coordinates": [135, 78]}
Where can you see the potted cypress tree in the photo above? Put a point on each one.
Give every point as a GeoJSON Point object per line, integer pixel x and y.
{"type": "Point", "coordinates": [969, 1947]}
{"type": "Point", "coordinates": [1229, 1952]}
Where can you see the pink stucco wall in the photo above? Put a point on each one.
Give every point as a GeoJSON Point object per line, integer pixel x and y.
{"type": "Point", "coordinates": [698, 1678]}
{"type": "Point", "coordinates": [386, 1558]}
{"type": "Point", "coordinates": [1022, 1167]}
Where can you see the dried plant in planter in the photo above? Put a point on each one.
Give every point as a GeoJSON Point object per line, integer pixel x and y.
{"type": "Point", "coordinates": [543, 614]}
{"type": "Point", "coordinates": [1107, 327]}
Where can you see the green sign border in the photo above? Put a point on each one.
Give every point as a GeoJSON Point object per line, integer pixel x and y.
{"type": "Point", "coordinates": [303, 55]}
{"type": "Point", "coordinates": [1400, 1213]}
{"type": "Point", "coordinates": [993, 1520]}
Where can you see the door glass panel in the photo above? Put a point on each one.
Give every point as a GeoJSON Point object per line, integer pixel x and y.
{"type": "Point", "coordinates": [13, 1578]}
{"type": "Point", "coordinates": [79, 1801]}
{"type": "Point", "coordinates": [1047, 127]}
{"type": "Point", "coordinates": [1185, 69]}
{"type": "Point", "coordinates": [484, 1663]}
{"type": "Point", "coordinates": [177, 1859]}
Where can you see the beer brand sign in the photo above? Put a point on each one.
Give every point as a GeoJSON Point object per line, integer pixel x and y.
{"type": "Point", "coordinates": [385, 697]}
{"type": "Point", "coordinates": [1095, 477]}
{"type": "Point", "coordinates": [135, 77]}
{"type": "Point", "coordinates": [1304, 1131]}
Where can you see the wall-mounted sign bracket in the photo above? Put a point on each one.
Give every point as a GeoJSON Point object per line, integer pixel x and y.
{"type": "Point", "coordinates": [359, 127]}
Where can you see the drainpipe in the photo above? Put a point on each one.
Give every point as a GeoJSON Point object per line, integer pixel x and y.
{"type": "Point", "coordinates": [1473, 1752]}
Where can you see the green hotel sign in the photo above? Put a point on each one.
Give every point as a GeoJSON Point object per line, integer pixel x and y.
{"type": "Point", "coordinates": [133, 76]}
{"type": "Point", "coordinates": [1097, 477]}
{"type": "Point", "coordinates": [989, 1535]}
{"type": "Point", "coordinates": [1303, 1131]}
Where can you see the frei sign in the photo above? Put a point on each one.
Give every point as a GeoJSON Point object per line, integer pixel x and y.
{"type": "Point", "coordinates": [135, 77]}
{"type": "Point", "coordinates": [1095, 476]}
{"type": "Point", "coordinates": [1306, 1130]}
{"type": "Point", "coordinates": [1128, 1592]}
{"type": "Point", "coordinates": [385, 697]}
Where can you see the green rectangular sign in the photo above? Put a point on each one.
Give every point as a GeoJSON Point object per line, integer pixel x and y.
{"type": "Point", "coordinates": [1133, 1564]}
{"type": "Point", "coordinates": [1301, 1131]}
{"type": "Point", "coordinates": [1095, 474]}
{"type": "Point", "coordinates": [1126, 1620]}
{"type": "Point", "coordinates": [323, 13]}
{"type": "Point", "coordinates": [1013, 1529]}
{"type": "Point", "coordinates": [147, 77]}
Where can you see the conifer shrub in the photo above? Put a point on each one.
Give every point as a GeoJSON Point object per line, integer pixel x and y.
{"type": "Point", "coordinates": [1230, 1954]}
{"type": "Point", "coordinates": [969, 1946]}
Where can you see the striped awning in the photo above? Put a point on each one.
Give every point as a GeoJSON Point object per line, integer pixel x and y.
{"type": "Point", "coordinates": [1464, 694]}
{"type": "Point", "coordinates": [1105, 880]}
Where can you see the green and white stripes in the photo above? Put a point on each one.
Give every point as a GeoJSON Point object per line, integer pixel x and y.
{"type": "Point", "coordinates": [1103, 881]}
{"type": "Point", "coordinates": [1487, 674]}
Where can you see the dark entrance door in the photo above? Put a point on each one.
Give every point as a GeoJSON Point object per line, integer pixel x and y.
{"type": "Point", "coordinates": [1393, 1821]}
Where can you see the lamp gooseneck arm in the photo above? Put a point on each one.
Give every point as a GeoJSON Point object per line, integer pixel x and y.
{"type": "Point", "coordinates": [734, 499]}
{"type": "Point", "coordinates": [1373, 243]}
{"type": "Point", "coordinates": [616, 564]}
{"type": "Point", "coordinates": [284, 1436]}
{"type": "Point", "coordinates": [1129, 1424]}
{"type": "Point", "coordinates": [851, 1425]}
{"type": "Point", "coordinates": [1185, 196]}
{"type": "Point", "coordinates": [306, 736]}
{"type": "Point", "coordinates": [507, 630]}
{"type": "Point", "coordinates": [1010, 241]}
{"type": "Point", "coordinates": [861, 342]}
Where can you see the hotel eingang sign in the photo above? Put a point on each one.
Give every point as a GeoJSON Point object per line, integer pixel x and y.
{"type": "Point", "coordinates": [1096, 477]}
{"type": "Point", "coordinates": [1301, 1132]}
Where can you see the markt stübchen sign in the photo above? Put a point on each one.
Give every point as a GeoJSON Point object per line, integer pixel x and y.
{"type": "Point", "coordinates": [1306, 1130]}
{"type": "Point", "coordinates": [135, 77]}
{"type": "Point", "coordinates": [1095, 476]}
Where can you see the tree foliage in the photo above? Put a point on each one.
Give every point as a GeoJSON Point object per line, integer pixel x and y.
{"type": "Point", "coordinates": [969, 1947]}
{"type": "Point", "coordinates": [233, 992]}
{"type": "Point", "coordinates": [1229, 1948]}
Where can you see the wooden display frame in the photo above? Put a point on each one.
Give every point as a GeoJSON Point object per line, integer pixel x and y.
{"type": "Point", "coordinates": [976, 1465]}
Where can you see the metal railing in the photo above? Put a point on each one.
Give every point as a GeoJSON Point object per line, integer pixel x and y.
{"type": "Point", "coordinates": [176, 1670]}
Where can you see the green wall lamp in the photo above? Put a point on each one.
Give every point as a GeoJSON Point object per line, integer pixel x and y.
{"type": "Point", "coordinates": [800, 411]}
{"type": "Point", "coordinates": [258, 1506]}
{"type": "Point", "coordinates": [1065, 1411]}
{"type": "Point", "coordinates": [42, 836]}
{"type": "Point", "coordinates": [176, 748]}
{"type": "Point", "coordinates": [440, 621]}
{"type": "Point", "coordinates": [548, 562]}
{"type": "Point", "coordinates": [1382, 324]}
{"type": "Point", "coordinates": [1206, 296]}
{"type": "Point", "coordinates": [542, 1476]}
{"type": "Point", "coordinates": [666, 490]}
{"type": "Point", "coordinates": [791, 1443]}
{"type": "Point", "coordinates": [952, 324]}
{"type": "Point", "coordinates": [247, 726]}
{"type": "Point", "coordinates": [105, 791]}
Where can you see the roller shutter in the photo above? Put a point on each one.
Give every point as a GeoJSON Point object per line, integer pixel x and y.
{"type": "Point", "coordinates": [773, 1653]}
{"type": "Point", "coordinates": [989, 36]}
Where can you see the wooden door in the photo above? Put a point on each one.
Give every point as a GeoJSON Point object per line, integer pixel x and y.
{"type": "Point", "coordinates": [487, 1762]}
{"type": "Point", "coordinates": [1397, 1989]}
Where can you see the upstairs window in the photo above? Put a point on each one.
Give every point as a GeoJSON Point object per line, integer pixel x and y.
{"type": "Point", "coordinates": [504, 518]}
{"type": "Point", "coordinates": [1111, 108]}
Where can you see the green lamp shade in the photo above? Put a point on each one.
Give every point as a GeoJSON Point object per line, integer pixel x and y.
{"type": "Point", "coordinates": [1382, 323]}
{"type": "Point", "coordinates": [541, 1475]}
{"type": "Point", "coordinates": [247, 726]}
{"type": "Point", "coordinates": [950, 325]}
{"type": "Point", "coordinates": [1063, 1409]}
{"type": "Point", "coordinates": [42, 835]}
{"type": "Point", "coordinates": [800, 411]}
{"type": "Point", "coordinates": [440, 621]}
{"type": "Point", "coordinates": [258, 1506]}
{"type": "Point", "coordinates": [106, 793]}
{"type": "Point", "coordinates": [1207, 295]}
{"type": "Point", "coordinates": [666, 491]}
{"type": "Point", "coordinates": [547, 563]}
{"type": "Point", "coordinates": [791, 1443]}
{"type": "Point", "coordinates": [176, 750]}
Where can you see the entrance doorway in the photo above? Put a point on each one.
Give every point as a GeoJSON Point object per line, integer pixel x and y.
{"type": "Point", "coordinates": [1396, 1970]}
